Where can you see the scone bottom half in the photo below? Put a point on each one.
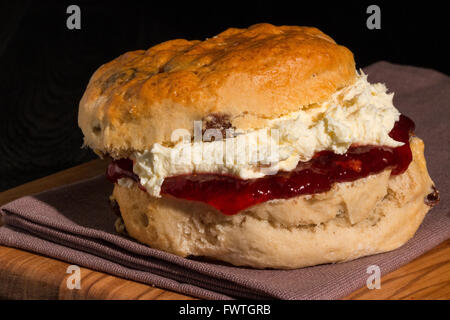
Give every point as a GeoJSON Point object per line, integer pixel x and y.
{"type": "Point", "coordinates": [367, 215]}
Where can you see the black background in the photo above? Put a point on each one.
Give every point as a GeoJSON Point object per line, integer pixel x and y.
{"type": "Point", "coordinates": [44, 67]}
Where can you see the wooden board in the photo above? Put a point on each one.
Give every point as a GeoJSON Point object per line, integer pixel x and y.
{"type": "Point", "coordinates": [25, 275]}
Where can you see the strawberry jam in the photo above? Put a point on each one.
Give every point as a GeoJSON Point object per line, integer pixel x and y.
{"type": "Point", "coordinates": [231, 195]}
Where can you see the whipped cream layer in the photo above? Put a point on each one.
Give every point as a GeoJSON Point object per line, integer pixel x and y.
{"type": "Point", "coordinates": [360, 114]}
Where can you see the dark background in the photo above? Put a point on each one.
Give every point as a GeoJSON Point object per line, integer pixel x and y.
{"type": "Point", "coordinates": [44, 67]}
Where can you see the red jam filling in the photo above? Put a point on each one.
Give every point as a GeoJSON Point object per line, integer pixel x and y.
{"type": "Point", "coordinates": [231, 195]}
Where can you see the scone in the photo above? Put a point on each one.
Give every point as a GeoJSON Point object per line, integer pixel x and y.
{"type": "Point", "coordinates": [260, 147]}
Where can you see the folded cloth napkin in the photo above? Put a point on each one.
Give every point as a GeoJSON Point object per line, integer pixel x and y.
{"type": "Point", "coordinates": [74, 223]}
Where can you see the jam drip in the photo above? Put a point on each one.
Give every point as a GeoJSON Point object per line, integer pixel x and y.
{"type": "Point", "coordinates": [231, 195]}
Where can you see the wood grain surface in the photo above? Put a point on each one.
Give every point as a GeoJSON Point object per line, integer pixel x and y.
{"type": "Point", "coordinates": [25, 275]}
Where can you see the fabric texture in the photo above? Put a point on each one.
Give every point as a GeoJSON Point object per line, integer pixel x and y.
{"type": "Point", "coordinates": [74, 223]}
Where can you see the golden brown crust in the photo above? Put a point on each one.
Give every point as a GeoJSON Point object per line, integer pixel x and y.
{"type": "Point", "coordinates": [248, 74]}
{"type": "Point", "coordinates": [298, 232]}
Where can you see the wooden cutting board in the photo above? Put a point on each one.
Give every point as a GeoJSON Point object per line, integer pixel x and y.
{"type": "Point", "coordinates": [25, 275]}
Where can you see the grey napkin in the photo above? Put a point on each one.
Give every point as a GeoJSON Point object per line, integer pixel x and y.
{"type": "Point", "coordinates": [74, 223]}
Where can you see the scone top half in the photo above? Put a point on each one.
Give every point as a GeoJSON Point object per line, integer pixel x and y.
{"type": "Point", "coordinates": [248, 76]}
{"type": "Point", "coordinates": [246, 104]}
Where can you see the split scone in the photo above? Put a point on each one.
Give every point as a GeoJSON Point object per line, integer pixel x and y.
{"type": "Point", "coordinates": [261, 147]}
